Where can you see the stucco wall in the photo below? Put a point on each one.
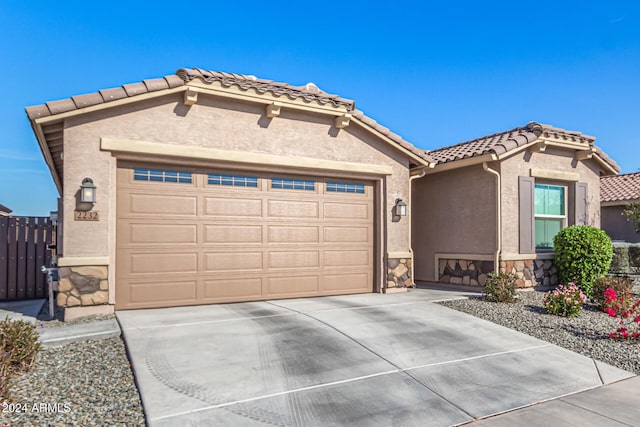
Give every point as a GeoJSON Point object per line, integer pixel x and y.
{"type": "Point", "coordinates": [552, 159]}
{"type": "Point", "coordinates": [454, 213]}
{"type": "Point", "coordinates": [617, 226]}
{"type": "Point", "coordinates": [216, 123]}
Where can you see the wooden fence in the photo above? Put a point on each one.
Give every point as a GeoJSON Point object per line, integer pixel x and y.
{"type": "Point", "coordinates": [23, 249]}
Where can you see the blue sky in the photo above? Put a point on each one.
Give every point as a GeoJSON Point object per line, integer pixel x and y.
{"type": "Point", "coordinates": [437, 73]}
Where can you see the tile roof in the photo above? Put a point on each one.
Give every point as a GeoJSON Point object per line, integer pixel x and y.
{"type": "Point", "coordinates": [502, 142]}
{"type": "Point", "coordinates": [5, 209]}
{"type": "Point", "coordinates": [309, 92]}
{"type": "Point", "coordinates": [618, 188]}
{"type": "Point", "coordinates": [497, 143]}
{"type": "Point", "coordinates": [103, 96]}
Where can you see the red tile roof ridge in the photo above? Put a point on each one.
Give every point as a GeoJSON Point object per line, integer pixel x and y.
{"type": "Point", "coordinates": [504, 141]}
{"type": "Point", "coordinates": [309, 91]}
{"type": "Point", "coordinates": [103, 96]}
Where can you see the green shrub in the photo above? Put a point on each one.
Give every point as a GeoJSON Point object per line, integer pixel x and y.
{"type": "Point", "coordinates": [500, 287]}
{"type": "Point", "coordinates": [622, 286]}
{"type": "Point", "coordinates": [632, 213]}
{"type": "Point", "coordinates": [582, 254]}
{"type": "Point", "coordinates": [565, 300]}
{"type": "Point", "coordinates": [18, 349]}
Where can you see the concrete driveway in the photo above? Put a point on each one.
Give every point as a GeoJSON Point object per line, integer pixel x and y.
{"type": "Point", "coordinates": [371, 359]}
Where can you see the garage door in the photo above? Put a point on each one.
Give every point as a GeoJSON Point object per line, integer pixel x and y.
{"type": "Point", "coordinates": [188, 236]}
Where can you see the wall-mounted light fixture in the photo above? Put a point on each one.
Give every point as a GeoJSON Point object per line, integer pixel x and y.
{"type": "Point", "coordinates": [87, 191]}
{"type": "Point", "coordinates": [400, 208]}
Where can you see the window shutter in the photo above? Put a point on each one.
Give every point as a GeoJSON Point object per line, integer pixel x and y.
{"type": "Point", "coordinates": [581, 206]}
{"type": "Point", "coordinates": [526, 185]}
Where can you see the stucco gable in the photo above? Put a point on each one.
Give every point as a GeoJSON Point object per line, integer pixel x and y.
{"type": "Point", "coordinates": [47, 119]}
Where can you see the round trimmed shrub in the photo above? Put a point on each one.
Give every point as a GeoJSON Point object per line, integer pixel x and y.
{"type": "Point", "coordinates": [582, 254]}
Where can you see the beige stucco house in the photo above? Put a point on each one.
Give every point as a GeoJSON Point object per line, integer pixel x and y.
{"type": "Point", "coordinates": [498, 201]}
{"type": "Point", "coordinates": [616, 193]}
{"type": "Point", "coordinates": [214, 187]}
{"type": "Point", "coordinates": [205, 187]}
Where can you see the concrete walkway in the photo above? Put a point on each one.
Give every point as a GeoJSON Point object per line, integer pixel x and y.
{"type": "Point", "coordinates": [615, 404]}
{"type": "Point", "coordinates": [363, 360]}
{"type": "Point", "coordinates": [26, 311]}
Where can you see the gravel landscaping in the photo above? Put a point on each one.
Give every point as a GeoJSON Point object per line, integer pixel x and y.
{"type": "Point", "coordinates": [587, 334]}
{"type": "Point", "coordinates": [87, 383]}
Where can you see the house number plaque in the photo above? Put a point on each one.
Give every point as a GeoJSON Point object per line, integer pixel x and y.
{"type": "Point", "coordinates": [86, 215]}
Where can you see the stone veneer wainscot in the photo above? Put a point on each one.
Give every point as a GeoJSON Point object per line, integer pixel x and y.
{"type": "Point", "coordinates": [529, 273]}
{"type": "Point", "coordinates": [83, 286]}
{"type": "Point", "coordinates": [399, 272]}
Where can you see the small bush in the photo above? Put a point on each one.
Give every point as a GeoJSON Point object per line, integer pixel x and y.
{"type": "Point", "coordinates": [627, 309]}
{"type": "Point", "coordinates": [582, 254]}
{"type": "Point", "coordinates": [622, 285]}
{"type": "Point", "coordinates": [500, 287]}
{"type": "Point", "coordinates": [565, 300]}
{"type": "Point", "coordinates": [18, 349]}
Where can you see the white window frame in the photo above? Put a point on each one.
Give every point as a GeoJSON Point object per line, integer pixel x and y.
{"type": "Point", "coordinates": [564, 217]}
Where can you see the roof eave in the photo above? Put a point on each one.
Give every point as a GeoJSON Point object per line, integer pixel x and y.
{"type": "Point", "coordinates": [46, 152]}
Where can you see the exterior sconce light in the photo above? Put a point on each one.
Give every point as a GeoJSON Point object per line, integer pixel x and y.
{"type": "Point", "coordinates": [400, 208]}
{"type": "Point", "coordinates": [87, 191]}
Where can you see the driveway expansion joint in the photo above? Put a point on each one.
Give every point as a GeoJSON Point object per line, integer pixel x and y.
{"type": "Point", "coordinates": [593, 412]}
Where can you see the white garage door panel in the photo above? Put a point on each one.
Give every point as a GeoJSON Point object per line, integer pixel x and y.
{"type": "Point", "coordinates": [196, 242]}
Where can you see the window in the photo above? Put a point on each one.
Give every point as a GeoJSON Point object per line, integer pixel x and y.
{"type": "Point", "coordinates": [342, 187]}
{"type": "Point", "coordinates": [157, 175]}
{"type": "Point", "coordinates": [293, 184]}
{"type": "Point", "coordinates": [550, 213]}
{"type": "Point", "coordinates": [232, 180]}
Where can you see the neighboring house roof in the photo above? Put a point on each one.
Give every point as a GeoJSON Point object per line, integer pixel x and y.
{"type": "Point", "coordinates": [620, 188]}
{"type": "Point", "coordinates": [4, 211]}
{"type": "Point", "coordinates": [504, 142]}
{"type": "Point", "coordinates": [46, 118]}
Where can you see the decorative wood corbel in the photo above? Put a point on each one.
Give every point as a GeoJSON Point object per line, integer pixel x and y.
{"type": "Point", "coordinates": [273, 109]}
{"type": "Point", "coordinates": [343, 121]}
{"type": "Point", "coordinates": [190, 96]}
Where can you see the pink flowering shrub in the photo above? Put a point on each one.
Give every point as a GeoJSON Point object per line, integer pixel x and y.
{"type": "Point", "coordinates": [625, 307]}
{"type": "Point", "coordinates": [565, 300]}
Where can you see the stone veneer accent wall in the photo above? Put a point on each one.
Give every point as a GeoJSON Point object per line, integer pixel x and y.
{"type": "Point", "coordinates": [399, 272]}
{"type": "Point", "coordinates": [546, 272]}
{"type": "Point", "coordinates": [83, 286]}
{"type": "Point", "coordinates": [529, 273]}
{"type": "Point", "coordinates": [464, 271]}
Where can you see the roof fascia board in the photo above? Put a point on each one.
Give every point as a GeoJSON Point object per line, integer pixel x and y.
{"type": "Point", "coordinates": [110, 104]}
{"type": "Point", "coordinates": [391, 142]}
{"type": "Point", "coordinates": [233, 92]}
{"type": "Point", "coordinates": [567, 145]}
{"type": "Point", "coordinates": [619, 202]}
{"type": "Point", "coordinates": [551, 143]}
{"type": "Point", "coordinates": [156, 149]}
{"type": "Point", "coordinates": [547, 143]}
{"type": "Point", "coordinates": [44, 148]}
{"type": "Point", "coordinates": [605, 165]}
{"type": "Point", "coordinates": [456, 164]}
{"type": "Point", "coordinates": [533, 144]}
